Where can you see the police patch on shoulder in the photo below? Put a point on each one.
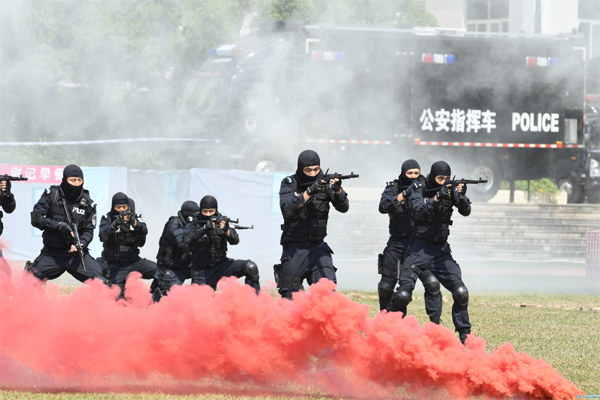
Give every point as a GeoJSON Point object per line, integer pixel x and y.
{"type": "Point", "coordinates": [48, 190]}
{"type": "Point", "coordinates": [94, 220]}
{"type": "Point", "coordinates": [289, 179]}
{"type": "Point", "coordinates": [190, 219]}
{"type": "Point", "coordinates": [389, 183]}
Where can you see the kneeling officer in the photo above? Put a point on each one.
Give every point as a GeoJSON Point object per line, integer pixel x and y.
{"type": "Point", "coordinates": [123, 233]}
{"type": "Point", "coordinates": [207, 236]}
{"type": "Point", "coordinates": [60, 210]}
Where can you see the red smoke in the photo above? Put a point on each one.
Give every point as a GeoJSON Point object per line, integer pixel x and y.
{"type": "Point", "coordinates": [321, 340]}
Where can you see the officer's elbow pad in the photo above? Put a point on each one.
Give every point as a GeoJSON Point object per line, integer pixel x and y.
{"type": "Point", "coordinates": [183, 247]}
{"type": "Point", "coordinates": [465, 212]}
{"type": "Point", "coordinates": [37, 220]}
{"type": "Point", "coordinates": [290, 210]}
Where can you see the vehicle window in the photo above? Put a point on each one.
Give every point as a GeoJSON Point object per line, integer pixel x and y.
{"type": "Point", "coordinates": [206, 95]}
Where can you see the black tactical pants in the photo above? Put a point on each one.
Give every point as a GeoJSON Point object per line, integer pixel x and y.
{"type": "Point", "coordinates": [396, 250]}
{"type": "Point", "coordinates": [52, 263]}
{"type": "Point", "coordinates": [165, 279]}
{"type": "Point", "coordinates": [228, 267]}
{"type": "Point", "coordinates": [437, 258]}
{"type": "Point", "coordinates": [117, 271]}
{"type": "Point", "coordinates": [299, 263]}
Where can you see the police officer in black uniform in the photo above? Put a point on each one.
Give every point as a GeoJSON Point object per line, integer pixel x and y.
{"type": "Point", "coordinates": [207, 239]}
{"type": "Point", "coordinates": [8, 204]}
{"type": "Point", "coordinates": [173, 257]}
{"type": "Point", "coordinates": [123, 232]}
{"type": "Point", "coordinates": [430, 257]}
{"type": "Point", "coordinates": [304, 200]}
{"type": "Point", "coordinates": [394, 202]}
{"type": "Point", "coordinates": [59, 253]}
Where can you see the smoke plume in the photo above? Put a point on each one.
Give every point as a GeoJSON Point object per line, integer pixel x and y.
{"type": "Point", "coordinates": [319, 341]}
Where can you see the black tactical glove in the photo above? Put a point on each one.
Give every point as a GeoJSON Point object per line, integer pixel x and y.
{"type": "Point", "coordinates": [6, 191]}
{"type": "Point", "coordinates": [443, 193]}
{"type": "Point", "coordinates": [65, 229]}
{"type": "Point", "coordinates": [409, 190]}
{"type": "Point", "coordinates": [209, 225]}
{"type": "Point", "coordinates": [316, 187]}
{"type": "Point", "coordinates": [337, 186]}
{"type": "Point", "coordinates": [118, 222]}
{"type": "Point", "coordinates": [132, 220]}
{"type": "Point", "coordinates": [464, 190]}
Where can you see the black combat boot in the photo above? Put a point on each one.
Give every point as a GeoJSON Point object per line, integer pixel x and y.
{"type": "Point", "coordinates": [462, 335]}
{"type": "Point", "coordinates": [435, 320]}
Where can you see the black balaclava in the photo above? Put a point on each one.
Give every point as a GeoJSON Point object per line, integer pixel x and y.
{"type": "Point", "coordinates": [406, 165]}
{"type": "Point", "coordinates": [118, 198]}
{"type": "Point", "coordinates": [207, 202]}
{"type": "Point", "coordinates": [189, 209]}
{"type": "Point", "coordinates": [438, 168]}
{"type": "Point", "coordinates": [307, 158]}
{"type": "Point", "coordinates": [71, 192]}
{"type": "Point", "coordinates": [131, 205]}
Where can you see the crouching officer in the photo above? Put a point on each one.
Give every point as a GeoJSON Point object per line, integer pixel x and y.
{"type": "Point", "coordinates": [430, 257]}
{"type": "Point", "coordinates": [173, 256]}
{"type": "Point", "coordinates": [394, 202]}
{"type": "Point", "coordinates": [122, 233]}
{"type": "Point", "coordinates": [207, 236]}
{"type": "Point", "coordinates": [60, 251]}
{"type": "Point", "coordinates": [304, 200]}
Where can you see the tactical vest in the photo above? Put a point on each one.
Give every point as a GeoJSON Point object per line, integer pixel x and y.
{"type": "Point", "coordinates": [80, 211]}
{"type": "Point", "coordinates": [169, 254]}
{"type": "Point", "coordinates": [210, 249]}
{"type": "Point", "coordinates": [399, 226]}
{"type": "Point", "coordinates": [437, 226]}
{"type": "Point", "coordinates": [125, 245]}
{"type": "Point", "coordinates": [311, 222]}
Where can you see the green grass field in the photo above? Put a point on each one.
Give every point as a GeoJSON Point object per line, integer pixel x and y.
{"type": "Point", "coordinates": [564, 330]}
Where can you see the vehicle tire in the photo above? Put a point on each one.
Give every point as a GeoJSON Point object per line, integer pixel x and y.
{"type": "Point", "coordinates": [574, 190]}
{"type": "Point", "coordinates": [487, 170]}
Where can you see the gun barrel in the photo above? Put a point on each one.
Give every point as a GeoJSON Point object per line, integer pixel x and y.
{"type": "Point", "coordinates": [467, 181]}
{"type": "Point", "coordinates": [327, 177]}
{"type": "Point", "coordinates": [243, 227]}
{"type": "Point", "coordinates": [12, 178]}
{"type": "Point", "coordinates": [79, 246]}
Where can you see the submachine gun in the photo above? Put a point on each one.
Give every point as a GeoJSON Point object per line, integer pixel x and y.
{"type": "Point", "coordinates": [456, 182]}
{"type": "Point", "coordinates": [12, 178]}
{"type": "Point", "coordinates": [73, 226]}
{"type": "Point", "coordinates": [327, 177]}
{"type": "Point", "coordinates": [217, 220]}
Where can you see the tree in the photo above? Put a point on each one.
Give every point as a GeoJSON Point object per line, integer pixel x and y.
{"type": "Point", "coordinates": [366, 12]}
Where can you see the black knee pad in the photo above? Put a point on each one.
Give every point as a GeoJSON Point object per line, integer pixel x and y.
{"type": "Point", "coordinates": [460, 294]}
{"type": "Point", "coordinates": [385, 288]}
{"type": "Point", "coordinates": [31, 269]}
{"type": "Point", "coordinates": [402, 298]}
{"type": "Point", "coordinates": [251, 270]}
{"type": "Point", "coordinates": [431, 283]}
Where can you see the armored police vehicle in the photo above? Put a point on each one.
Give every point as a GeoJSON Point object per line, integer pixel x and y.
{"type": "Point", "coordinates": [493, 105]}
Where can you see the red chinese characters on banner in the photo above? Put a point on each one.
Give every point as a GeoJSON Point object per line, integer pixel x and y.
{"type": "Point", "coordinates": [51, 174]}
